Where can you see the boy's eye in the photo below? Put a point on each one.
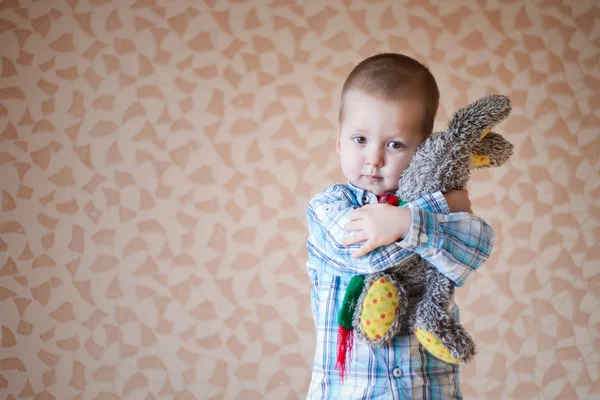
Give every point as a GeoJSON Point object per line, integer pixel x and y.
{"type": "Point", "coordinates": [360, 140]}
{"type": "Point", "coordinates": [396, 145]}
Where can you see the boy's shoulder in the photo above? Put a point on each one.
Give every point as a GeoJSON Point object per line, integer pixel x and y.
{"type": "Point", "coordinates": [338, 193]}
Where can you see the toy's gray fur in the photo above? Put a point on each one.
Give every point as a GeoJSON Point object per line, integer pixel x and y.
{"type": "Point", "coordinates": [442, 163]}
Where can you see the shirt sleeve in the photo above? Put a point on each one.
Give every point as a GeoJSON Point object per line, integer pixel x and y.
{"type": "Point", "coordinates": [456, 244]}
{"type": "Point", "coordinates": [435, 203]}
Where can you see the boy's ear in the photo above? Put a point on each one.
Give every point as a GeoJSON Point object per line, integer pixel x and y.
{"type": "Point", "coordinates": [337, 141]}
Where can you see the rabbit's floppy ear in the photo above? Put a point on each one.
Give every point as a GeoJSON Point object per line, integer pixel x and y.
{"type": "Point", "coordinates": [473, 122]}
{"type": "Point", "coordinates": [492, 150]}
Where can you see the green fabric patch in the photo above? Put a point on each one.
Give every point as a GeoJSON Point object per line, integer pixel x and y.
{"type": "Point", "coordinates": [355, 288]}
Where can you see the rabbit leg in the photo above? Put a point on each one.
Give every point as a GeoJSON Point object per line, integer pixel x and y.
{"type": "Point", "coordinates": [435, 328]}
{"type": "Point", "coordinates": [379, 310]}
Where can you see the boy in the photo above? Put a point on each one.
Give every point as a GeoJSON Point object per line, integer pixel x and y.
{"type": "Point", "coordinates": [388, 106]}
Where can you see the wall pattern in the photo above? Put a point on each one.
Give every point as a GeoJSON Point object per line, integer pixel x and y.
{"type": "Point", "coordinates": [156, 159]}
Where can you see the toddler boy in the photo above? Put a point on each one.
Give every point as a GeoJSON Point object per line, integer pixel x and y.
{"type": "Point", "coordinates": [388, 106]}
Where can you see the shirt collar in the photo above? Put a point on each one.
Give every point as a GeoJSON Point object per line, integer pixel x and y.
{"type": "Point", "coordinates": [363, 196]}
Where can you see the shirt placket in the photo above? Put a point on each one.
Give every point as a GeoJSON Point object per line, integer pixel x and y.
{"type": "Point", "coordinates": [401, 369]}
{"type": "Point", "coordinates": [394, 371]}
{"type": "Point", "coordinates": [368, 198]}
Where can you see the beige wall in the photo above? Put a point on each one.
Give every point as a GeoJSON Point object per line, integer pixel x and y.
{"type": "Point", "coordinates": [156, 159]}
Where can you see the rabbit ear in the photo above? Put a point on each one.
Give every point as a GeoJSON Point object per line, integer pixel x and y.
{"type": "Point", "coordinates": [478, 118]}
{"type": "Point", "coordinates": [491, 151]}
{"type": "Point", "coordinates": [479, 160]}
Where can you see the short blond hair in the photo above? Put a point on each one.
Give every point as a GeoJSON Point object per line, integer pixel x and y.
{"type": "Point", "coordinates": [395, 77]}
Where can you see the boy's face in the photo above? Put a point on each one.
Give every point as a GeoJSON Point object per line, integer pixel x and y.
{"type": "Point", "coordinates": [377, 139]}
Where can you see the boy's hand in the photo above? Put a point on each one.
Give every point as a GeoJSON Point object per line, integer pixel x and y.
{"type": "Point", "coordinates": [458, 201]}
{"type": "Point", "coordinates": [377, 225]}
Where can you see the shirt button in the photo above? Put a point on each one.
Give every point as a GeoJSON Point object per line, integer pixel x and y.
{"type": "Point", "coordinates": [440, 218]}
{"type": "Point", "coordinates": [397, 372]}
{"type": "Point", "coordinates": [424, 238]}
{"type": "Point", "coordinates": [365, 198]}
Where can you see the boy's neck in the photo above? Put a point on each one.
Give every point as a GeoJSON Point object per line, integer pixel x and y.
{"type": "Point", "coordinates": [390, 193]}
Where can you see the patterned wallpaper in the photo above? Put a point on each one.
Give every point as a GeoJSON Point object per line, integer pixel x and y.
{"type": "Point", "coordinates": [157, 156]}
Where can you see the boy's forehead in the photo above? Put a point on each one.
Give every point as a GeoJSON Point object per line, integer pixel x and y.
{"type": "Point", "coordinates": [364, 108]}
{"type": "Point", "coordinates": [356, 99]}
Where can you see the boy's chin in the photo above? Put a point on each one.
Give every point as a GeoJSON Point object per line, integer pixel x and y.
{"type": "Point", "coordinates": [378, 189]}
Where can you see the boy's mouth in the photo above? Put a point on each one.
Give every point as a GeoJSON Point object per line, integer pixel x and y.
{"type": "Point", "coordinates": [373, 178]}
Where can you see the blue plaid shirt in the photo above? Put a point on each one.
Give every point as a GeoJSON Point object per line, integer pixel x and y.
{"type": "Point", "coordinates": [456, 244]}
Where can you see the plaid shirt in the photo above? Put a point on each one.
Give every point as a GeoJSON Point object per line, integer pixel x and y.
{"type": "Point", "coordinates": [456, 244]}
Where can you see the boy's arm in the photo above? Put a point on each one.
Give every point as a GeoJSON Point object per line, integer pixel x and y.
{"type": "Point", "coordinates": [456, 244]}
{"type": "Point", "coordinates": [451, 243]}
{"type": "Point", "coordinates": [438, 203]}
{"type": "Point", "coordinates": [435, 203]}
{"type": "Point", "coordinates": [328, 213]}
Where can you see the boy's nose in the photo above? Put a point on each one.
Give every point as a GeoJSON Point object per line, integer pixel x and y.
{"type": "Point", "coordinates": [375, 158]}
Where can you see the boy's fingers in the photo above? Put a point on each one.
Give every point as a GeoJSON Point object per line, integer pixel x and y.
{"type": "Point", "coordinates": [359, 213]}
{"type": "Point", "coordinates": [358, 237]}
{"type": "Point", "coordinates": [367, 208]}
{"type": "Point", "coordinates": [364, 249]}
{"type": "Point", "coordinates": [352, 226]}
{"type": "Point", "coordinates": [354, 215]}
